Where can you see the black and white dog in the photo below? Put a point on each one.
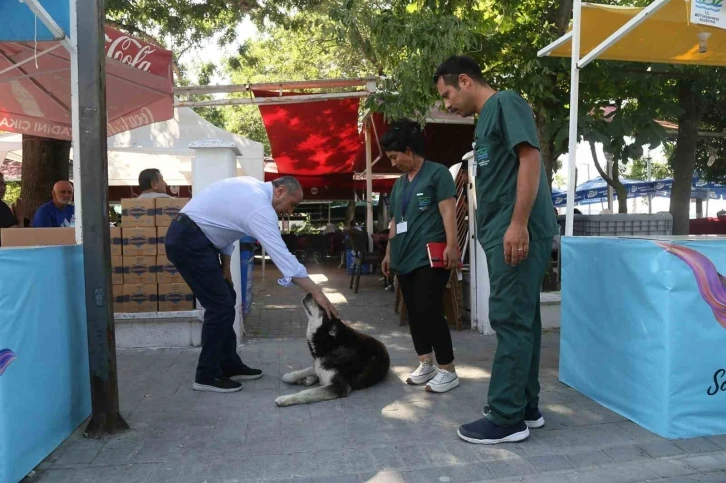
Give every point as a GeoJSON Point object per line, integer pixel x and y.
{"type": "Point", "coordinates": [343, 359]}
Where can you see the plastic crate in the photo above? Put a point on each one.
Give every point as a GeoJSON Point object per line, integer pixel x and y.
{"type": "Point", "coordinates": [621, 224]}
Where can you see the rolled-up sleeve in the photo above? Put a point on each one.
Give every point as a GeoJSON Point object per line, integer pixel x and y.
{"type": "Point", "coordinates": [262, 225]}
{"type": "Point", "coordinates": [227, 250]}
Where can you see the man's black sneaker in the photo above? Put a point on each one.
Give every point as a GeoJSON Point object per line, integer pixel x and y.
{"type": "Point", "coordinates": [216, 384]}
{"type": "Point", "coordinates": [243, 373]}
{"type": "Point", "coordinates": [484, 431]}
{"type": "Point", "coordinates": [532, 417]}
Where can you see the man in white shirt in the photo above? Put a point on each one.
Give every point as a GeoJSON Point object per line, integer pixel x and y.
{"type": "Point", "coordinates": [202, 233]}
{"type": "Point", "coordinates": [152, 184]}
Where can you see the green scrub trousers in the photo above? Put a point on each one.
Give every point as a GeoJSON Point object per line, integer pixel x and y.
{"type": "Point", "coordinates": [514, 314]}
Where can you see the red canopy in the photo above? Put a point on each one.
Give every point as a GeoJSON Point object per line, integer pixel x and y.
{"type": "Point", "coordinates": [320, 144]}
{"type": "Point", "coordinates": [36, 96]}
{"type": "Point", "coordinates": [312, 138]}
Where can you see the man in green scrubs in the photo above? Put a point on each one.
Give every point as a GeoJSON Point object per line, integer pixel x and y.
{"type": "Point", "coordinates": [515, 226]}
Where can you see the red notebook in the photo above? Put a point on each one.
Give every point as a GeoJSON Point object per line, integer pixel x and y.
{"type": "Point", "coordinates": [436, 254]}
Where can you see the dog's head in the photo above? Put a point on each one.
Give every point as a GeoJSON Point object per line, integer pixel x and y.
{"type": "Point", "coordinates": [316, 315]}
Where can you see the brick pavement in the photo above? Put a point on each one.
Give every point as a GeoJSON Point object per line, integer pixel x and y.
{"type": "Point", "coordinates": [276, 310]}
{"type": "Point", "coordinates": [388, 433]}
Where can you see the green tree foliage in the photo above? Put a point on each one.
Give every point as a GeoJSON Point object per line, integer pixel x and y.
{"type": "Point", "coordinates": [282, 53]}
{"type": "Point", "coordinates": [638, 169]}
{"type": "Point", "coordinates": [12, 192]}
{"type": "Point", "coordinates": [336, 39]}
{"type": "Point", "coordinates": [188, 23]}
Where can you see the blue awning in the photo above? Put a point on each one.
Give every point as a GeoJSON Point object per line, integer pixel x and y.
{"type": "Point", "coordinates": [19, 23]}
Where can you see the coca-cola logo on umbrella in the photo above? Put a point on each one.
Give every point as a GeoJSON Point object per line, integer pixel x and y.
{"type": "Point", "coordinates": [135, 53]}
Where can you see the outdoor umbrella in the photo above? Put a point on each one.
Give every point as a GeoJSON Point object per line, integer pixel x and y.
{"type": "Point", "coordinates": [36, 95]}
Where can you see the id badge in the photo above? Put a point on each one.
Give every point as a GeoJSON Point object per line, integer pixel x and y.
{"type": "Point", "coordinates": [474, 168]}
{"type": "Point", "coordinates": [401, 227]}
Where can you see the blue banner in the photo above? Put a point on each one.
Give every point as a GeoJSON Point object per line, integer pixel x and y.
{"type": "Point", "coordinates": [45, 389]}
{"type": "Point", "coordinates": [652, 350]}
{"type": "Point", "coordinates": [21, 25]}
{"type": "Point", "coordinates": [596, 190]}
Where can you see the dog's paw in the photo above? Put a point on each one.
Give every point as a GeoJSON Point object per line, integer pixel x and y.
{"type": "Point", "coordinates": [310, 380]}
{"type": "Point", "coordinates": [283, 401]}
{"type": "Point", "coordinates": [289, 378]}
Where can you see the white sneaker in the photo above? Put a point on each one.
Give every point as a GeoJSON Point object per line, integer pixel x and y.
{"type": "Point", "coordinates": [444, 381]}
{"type": "Point", "coordinates": [423, 373]}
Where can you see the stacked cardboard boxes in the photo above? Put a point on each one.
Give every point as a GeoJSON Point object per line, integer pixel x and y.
{"type": "Point", "coordinates": [148, 282]}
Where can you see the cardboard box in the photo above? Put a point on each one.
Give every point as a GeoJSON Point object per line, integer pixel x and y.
{"type": "Point", "coordinates": [117, 270]}
{"type": "Point", "coordinates": [160, 238]}
{"type": "Point", "coordinates": [138, 212]}
{"type": "Point", "coordinates": [140, 298]}
{"type": "Point", "coordinates": [119, 305]}
{"type": "Point", "coordinates": [167, 209]}
{"type": "Point", "coordinates": [139, 242]}
{"type": "Point", "coordinates": [139, 270]}
{"type": "Point", "coordinates": [175, 297]}
{"type": "Point", "coordinates": [116, 242]}
{"type": "Point", "coordinates": [34, 237]}
{"type": "Point", "coordinates": [166, 271]}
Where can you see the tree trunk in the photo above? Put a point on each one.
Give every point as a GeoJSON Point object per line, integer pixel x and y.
{"type": "Point", "coordinates": [547, 148]}
{"type": "Point", "coordinates": [620, 192]}
{"type": "Point", "coordinates": [45, 161]}
{"type": "Point", "coordinates": [618, 187]}
{"type": "Point", "coordinates": [685, 155]}
{"type": "Point", "coordinates": [622, 195]}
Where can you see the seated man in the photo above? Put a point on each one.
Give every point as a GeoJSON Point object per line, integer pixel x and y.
{"type": "Point", "coordinates": [59, 212]}
{"type": "Point", "coordinates": [152, 184]}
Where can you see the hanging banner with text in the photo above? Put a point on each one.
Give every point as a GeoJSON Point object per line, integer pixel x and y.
{"type": "Point", "coordinates": [708, 12]}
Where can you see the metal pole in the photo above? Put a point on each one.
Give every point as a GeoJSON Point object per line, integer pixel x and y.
{"type": "Point", "coordinates": [93, 161]}
{"type": "Point", "coordinates": [574, 101]}
{"type": "Point", "coordinates": [271, 101]}
{"type": "Point", "coordinates": [369, 185]}
{"type": "Point", "coordinates": [650, 178]}
{"type": "Point", "coordinates": [589, 207]}
{"type": "Point", "coordinates": [76, 128]}
{"type": "Point", "coordinates": [609, 158]}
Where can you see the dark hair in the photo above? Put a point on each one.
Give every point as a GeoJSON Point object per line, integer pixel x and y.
{"type": "Point", "coordinates": [451, 68]}
{"type": "Point", "coordinates": [293, 186]}
{"type": "Point", "coordinates": [403, 134]}
{"type": "Point", "coordinates": [148, 176]}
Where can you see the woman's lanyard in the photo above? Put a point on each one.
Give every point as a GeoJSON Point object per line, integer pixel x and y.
{"type": "Point", "coordinates": [402, 227]}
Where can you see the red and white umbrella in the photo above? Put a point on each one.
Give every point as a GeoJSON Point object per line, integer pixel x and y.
{"type": "Point", "coordinates": [35, 86]}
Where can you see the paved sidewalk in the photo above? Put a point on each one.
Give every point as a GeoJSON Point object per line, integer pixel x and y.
{"type": "Point", "coordinates": [389, 433]}
{"type": "Point", "coordinates": [276, 310]}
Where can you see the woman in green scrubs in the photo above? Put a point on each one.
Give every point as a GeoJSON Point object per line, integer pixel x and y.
{"type": "Point", "coordinates": [423, 206]}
